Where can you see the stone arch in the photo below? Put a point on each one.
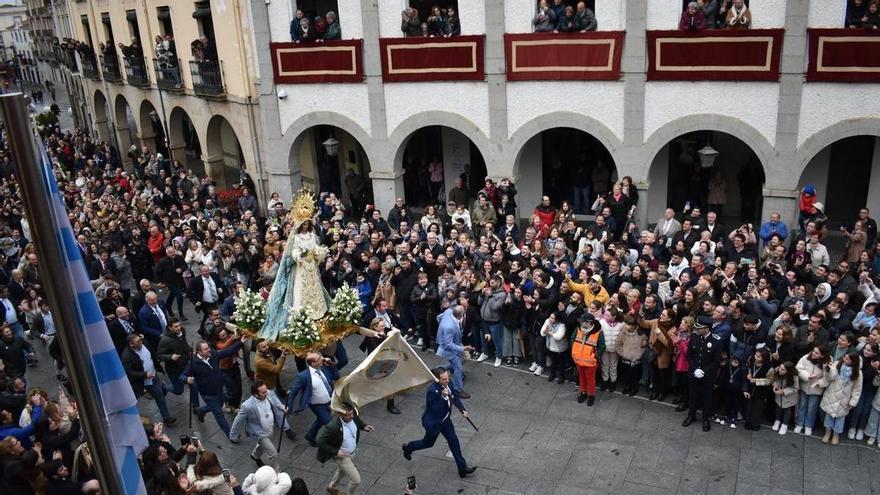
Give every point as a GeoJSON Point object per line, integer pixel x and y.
{"type": "Point", "coordinates": [152, 134]}
{"type": "Point", "coordinates": [124, 117]}
{"type": "Point", "coordinates": [294, 135]}
{"type": "Point", "coordinates": [398, 139]}
{"type": "Point", "coordinates": [706, 122]}
{"type": "Point", "coordinates": [828, 136]}
{"type": "Point", "coordinates": [223, 152]}
{"type": "Point", "coordinates": [184, 139]}
{"type": "Point", "coordinates": [553, 120]}
{"type": "Point", "coordinates": [102, 123]}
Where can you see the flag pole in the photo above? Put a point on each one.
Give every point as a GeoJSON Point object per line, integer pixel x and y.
{"type": "Point", "coordinates": [60, 291]}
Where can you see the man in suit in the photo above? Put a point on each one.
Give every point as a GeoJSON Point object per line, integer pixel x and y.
{"type": "Point", "coordinates": [259, 415]}
{"type": "Point", "coordinates": [32, 272]}
{"type": "Point", "coordinates": [667, 226]}
{"type": "Point", "coordinates": [141, 371]}
{"type": "Point", "coordinates": [449, 344]}
{"type": "Point", "coordinates": [139, 297]}
{"type": "Point", "coordinates": [152, 319]}
{"type": "Point", "coordinates": [17, 289]}
{"type": "Point", "coordinates": [715, 228]}
{"type": "Point", "coordinates": [205, 292]}
{"type": "Point", "coordinates": [101, 265]}
{"type": "Point", "coordinates": [437, 420]}
{"type": "Point", "coordinates": [204, 371]}
{"type": "Point", "coordinates": [316, 384]}
{"type": "Point", "coordinates": [338, 440]}
{"type": "Point", "coordinates": [169, 272]}
{"type": "Point", "coordinates": [121, 327]}
{"type": "Point", "coordinates": [8, 312]}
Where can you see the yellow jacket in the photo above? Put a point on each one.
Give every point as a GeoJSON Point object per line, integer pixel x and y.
{"type": "Point", "coordinates": [589, 295]}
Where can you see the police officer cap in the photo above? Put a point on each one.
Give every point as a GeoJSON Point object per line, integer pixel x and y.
{"type": "Point", "coordinates": [587, 319]}
{"type": "Point", "coordinates": [703, 322]}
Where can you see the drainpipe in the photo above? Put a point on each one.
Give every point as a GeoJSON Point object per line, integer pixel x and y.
{"type": "Point", "coordinates": [261, 189]}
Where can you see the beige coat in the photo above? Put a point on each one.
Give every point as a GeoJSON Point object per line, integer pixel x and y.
{"type": "Point", "coordinates": [840, 396]}
{"type": "Point", "coordinates": [810, 377]}
{"type": "Point", "coordinates": [789, 396]}
{"type": "Point", "coordinates": [629, 345]}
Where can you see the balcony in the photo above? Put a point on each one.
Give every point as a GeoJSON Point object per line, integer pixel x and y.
{"type": "Point", "coordinates": [459, 58]}
{"type": "Point", "coordinates": [593, 56]}
{"type": "Point", "coordinates": [136, 71]}
{"type": "Point", "coordinates": [843, 55]}
{"type": "Point", "coordinates": [89, 65]}
{"type": "Point", "coordinates": [110, 68]}
{"type": "Point", "coordinates": [748, 55]}
{"type": "Point", "coordinates": [167, 76]}
{"type": "Point", "coordinates": [332, 61]}
{"type": "Point", "coordinates": [207, 78]}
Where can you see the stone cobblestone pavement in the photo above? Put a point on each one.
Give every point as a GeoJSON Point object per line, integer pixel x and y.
{"type": "Point", "coordinates": [535, 439]}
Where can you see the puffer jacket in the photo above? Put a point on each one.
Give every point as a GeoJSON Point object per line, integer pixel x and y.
{"type": "Point", "coordinates": [610, 331]}
{"type": "Point", "coordinates": [215, 485]}
{"type": "Point", "coordinates": [266, 482]}
{"type": "Point", "coordinates": [491, 305]}
{"type": "Point", "coordinates": [789, 396]}
{"type": "Point", "coordinates": [840, 396]}
{"type": "Point", "coordinates": [629, 344]}
{"type": "Point", "coordinates": [808, 384]}
{"type": "Point", "coordinates": [555, 333]}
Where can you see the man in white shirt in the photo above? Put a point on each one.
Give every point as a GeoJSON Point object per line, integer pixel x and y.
{"type": "Point", "coordinates": [316, 384]}
{"type": "Point", "coordinates": [667, 226]}
{"type": "Point", "coordinates": [258, 414]}
{"type": "Point", "coordinates": [206, 292]}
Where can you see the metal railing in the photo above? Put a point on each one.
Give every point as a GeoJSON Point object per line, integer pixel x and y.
{"type": "Point", "coordinates": [167, 76]}
{"type": "Point", "coordinates": [110, 68]}
{"type": "Point", "coordinates": [136, 71]}
{"type": "Point", "coordinates": [89, 65]}
{"type": "Point", "coordinates": [207, 78]}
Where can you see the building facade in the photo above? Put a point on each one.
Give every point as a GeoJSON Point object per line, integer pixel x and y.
{"type": "Point", "coordinates": [203, 98]}
{"type": "Point", "coordinates": [771, 127]}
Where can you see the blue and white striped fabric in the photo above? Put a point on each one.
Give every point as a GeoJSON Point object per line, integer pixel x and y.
{"type": "Point", "coordinates": [108, 378]}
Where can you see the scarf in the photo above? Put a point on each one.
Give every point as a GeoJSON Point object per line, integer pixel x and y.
{"type": "Point", "coordinates": [846, 373]}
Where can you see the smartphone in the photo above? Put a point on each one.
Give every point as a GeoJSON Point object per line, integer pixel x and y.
{"type": "Point", "coordinates": [184, 440]}
{"type": "Point", "coordinates": [411, 482]}
{"type": "Point", "coordinates": [226, 475]}
{"type": "Point", "coordinates": [195, 441]}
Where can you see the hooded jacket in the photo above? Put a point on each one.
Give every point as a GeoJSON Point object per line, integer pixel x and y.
{"type": "Point", "coordinates": [266, 482]}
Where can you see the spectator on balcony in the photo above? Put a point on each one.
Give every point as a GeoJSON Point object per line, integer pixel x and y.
{"type": "Point", "coordinates": [739, 16]}
{"type": "Point", "coordinates": [871, 20]}
{"type": "Point", "coordinates": [410, 23]}
{"type": "Point", "coordinates": [436, 22]}
{"type": "Point", "coordinates": [568, 23]}
{"type": "Point", "coordinates": [332, 31]}
{"type": "Point", "coordinates": [424, 31]}
{"type": "Point", "coordinates": [692, 19]}
{"type": "Point", "coordinates": [558, 9]}
{"type": "Point", "coordinates": [544, 20]}
{"type": "Point", "coordinates": [306, 32]}
{"type": "Point", "coordinates": [209, 50]}
{"type": "Point", "coordinates": [710, 10]}
{"type": "Point", "coordinates": [453, 24]}
{"type": "Point", "coordinates": [295, 24]}
{"type": "Point", "coordinates": [586, 19]}
{"type": "Point", "coordinates": [855, 12]}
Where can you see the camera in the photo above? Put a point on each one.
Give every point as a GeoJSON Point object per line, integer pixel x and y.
{"type": "Point", "coordinates": [226, 475]}
{"type": "Point", "coordinates": [411, 482]}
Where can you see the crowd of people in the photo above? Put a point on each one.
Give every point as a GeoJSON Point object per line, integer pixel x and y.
{"type": "Point", "coordinates": [442, 22]}
{"type": "Point", "coordinates": [562, 18]}
{"type": "Point", "coordinates": [715, 14]}
{"type": "Point", "coordinates": [863, 14]}
{"type": "Point", "coordinates": [306, 28]}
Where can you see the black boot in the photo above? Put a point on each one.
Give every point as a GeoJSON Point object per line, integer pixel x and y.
{"type": "Point", "coordinates": [612, 386]}
{"type": "Point", "coordinates": [581, 397]}
{"type": "Point", "coordinates": [391, 407]}
{"type": "Point", "coordinates": [591, 399]}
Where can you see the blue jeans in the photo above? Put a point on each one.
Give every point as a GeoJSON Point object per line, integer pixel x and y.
{"type": "Point", "coordinates": [17, 328]}
{"type": "Point", "coordinates": [178, 383]}
{"type": "Point", "coordinates": [158, 393]}
{"type": "Point", "coordinates": [648, 357]}
{"type": "Point", "coordinates": [808, 407]}
{"type": "Point", "coordinates": [582, 199]}
{"type": "Point", "coordinates": [322, 417]}
{"type": "Point", "coordinates": [214, 404]}
{"type": "Point", "coordinates": [496, 329]}
{"type": "Point", "coordinates": [454, 365]}
{"type": "Point", "coordinates": [447, 429]}
{"type": "Point", "coordinates": [836, 424]}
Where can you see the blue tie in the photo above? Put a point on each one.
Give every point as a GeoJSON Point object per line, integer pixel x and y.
{"type": "Point", "coordinates": [326, 383]}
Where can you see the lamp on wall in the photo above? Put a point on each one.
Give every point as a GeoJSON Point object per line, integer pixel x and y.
{"type": "Point", "coordinates": [331, 146]}
{"type": "Point", "coordinates": [708, 154]}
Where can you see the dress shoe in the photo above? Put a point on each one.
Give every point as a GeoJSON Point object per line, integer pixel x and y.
{"type": "Point", "coordinates": [687, 421]}
{"type": "Point", "coordinates": [392, 408]}
{"type": "Point", "coordinates": [661, 397]}
{"type": "Point", "coordinates": [603, 385]}
{"type": "Point", "coordinates": [290, 434]}
{"type": "Point", "coordinates": [560, 380]}
{"type": "Point", "coordinates": [466, 471]}
{"type": "Point", "coordinates": [333, 491]}
{"type": "Point", "coordinates": [169, 420]}
{"type": "Point", "coordinates": [707, 425]}
{"type": "Point", "coordinates": [681, 407]}
{"type": "Point", "coordinates": [633, 391]}
{"type": "Point", "coordinates": [591, 399]}
{"type": "Point", "coordinates": [183, 318]}
{"type": "Point", "coordinates": [551, 378]}
{"type": "Point", "coordinates": [612, 386]}
{"type": "Point", "coordinates": [676, 399]}
{"type": "Point", "coordinates": [257, 460]}
{"type": "Point", "coordinates": [406, 453]}
{"type": "Point", "coordinates": [201, 415]}
{"type": "Point", "coordinates": [463, 395]}
{"type": "Point", "coordinates": [581, 397]}
{"type": "Point", "coordinates": [312, 442]}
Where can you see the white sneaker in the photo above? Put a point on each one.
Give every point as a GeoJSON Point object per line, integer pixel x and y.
{"type": "Point", "coordinates": [808, 431]}
{"type": "Point", "coordinates": [483, 357]}
{"type": "Point", "coordinates": [498, 362]}
{"type": "Point", "coordinates": [733, 425]}
{"type": "Point", "coordinates": [533, 367]}
{"type": "Point", "coordinates": [798, 429]}
{"type": "Point", "coordinates": [539, 370]}
{"type": "Point", "coordinates": [870, 441]}
{"type": "Point", "coordinates": [776, 425]}
{"type": "Point", "coordinates": [783, 429]}
{"type": "Point", "coordinates": [420, 342]}
{"type": "Point", "coordinates": [860, 435]}
{"type": "Point", "coordinates": [851, 434]}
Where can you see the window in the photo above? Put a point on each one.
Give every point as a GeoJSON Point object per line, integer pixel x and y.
{"type": "Point", "coordinates": [108, 28]}
{"type": "Point", "coordinates": [424, 6]}
{"type": "Point", "coordinates": [164, 15]}
{"type": "Point", "coordinates": [131, 17]}
{"type": "Point", "coordinates": [313, 8]}
{"type": "Point", "coordinates": [84, 19]}
{"type": "Point", "coordinates": [204, 18]}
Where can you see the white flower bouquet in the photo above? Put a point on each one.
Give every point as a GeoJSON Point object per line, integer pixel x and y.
{"type": "Point", "coordinates": [345, 309]}
{"type": "Point", "coordinates": [250, 311]}
{"type": "Point", "coordinates": [301, 331]}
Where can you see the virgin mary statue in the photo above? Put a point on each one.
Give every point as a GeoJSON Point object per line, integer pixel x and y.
{"type": "Point", "coordinates": [298, 282]}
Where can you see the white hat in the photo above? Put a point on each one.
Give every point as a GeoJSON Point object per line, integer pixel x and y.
{"type": "Point", "coordinates": [819, 206]}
